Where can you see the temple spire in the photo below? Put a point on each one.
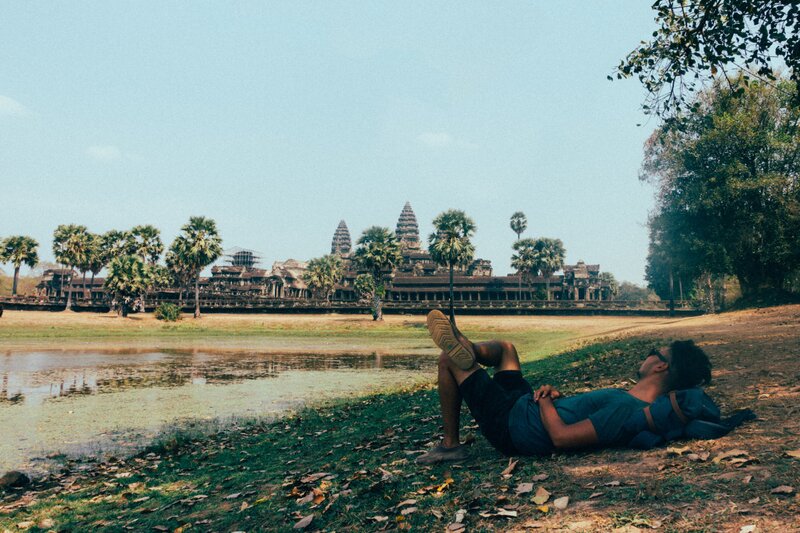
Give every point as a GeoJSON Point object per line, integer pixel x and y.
{"type": "Point", "coordinates": [341, 243]}
{"type": "Point", "coordinates": [407, 229]}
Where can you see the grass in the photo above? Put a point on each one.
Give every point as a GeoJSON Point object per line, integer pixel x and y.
{"type": "Point", "coordinates": [356, 459]}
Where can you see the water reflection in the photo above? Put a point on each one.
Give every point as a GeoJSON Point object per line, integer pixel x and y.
{"type": "Point", "coordinates": [36, 377]}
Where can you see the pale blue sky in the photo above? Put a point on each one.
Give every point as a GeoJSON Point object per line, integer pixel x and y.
{"type": "Point", "coordinates": [279, 119]}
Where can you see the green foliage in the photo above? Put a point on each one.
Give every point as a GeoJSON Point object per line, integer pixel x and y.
{"type": "Point", "coordinates": [542, 256]}
{"type": "Point", "coordinates": [728, 197]}
{"type": "Point", "coordinates": [613, 285]}
{"type": "Point", "coordinates": [195, 248]}
{"type": "Point", "coordinates": [364, 286]}
{"type": "Point", "coordinates": [378, 252]}
{"type": "Point", "coordinates": [322, 274]}
{"type": "Point", "coordinates": [700, 40]}
{"type": "Point", "coordinates": [19, 250]}
{"type": "Point", "coordinates": [145, 242]}
{"type": "Point", "coordinates": [519, 223]}
{"type": "Point", "coordinates": [631, 292]}
{"type": "Point", "coordinates": [450, 244]}
{"type": "Point", "coordinates": [168, 312]}
{"type": "Point", "coordinates": [127, 280]}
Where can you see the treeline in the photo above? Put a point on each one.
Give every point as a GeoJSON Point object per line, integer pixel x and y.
{"type": "Point", "coordinates": [132, 258]}
{"type": "Point", "coordinates": [728, 198]}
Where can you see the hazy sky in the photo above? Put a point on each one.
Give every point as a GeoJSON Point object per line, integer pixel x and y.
{"type": "Point", "coordinates": [278, 119]}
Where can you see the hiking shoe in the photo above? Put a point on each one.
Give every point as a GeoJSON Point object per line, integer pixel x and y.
{"type": "Point", "coordinates": [440, 454]}
{"type": "Point", "coordinates": [457, 348]}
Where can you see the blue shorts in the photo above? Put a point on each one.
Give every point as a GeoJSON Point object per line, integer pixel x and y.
{"type": "Point", "coordinates": [490, 400]}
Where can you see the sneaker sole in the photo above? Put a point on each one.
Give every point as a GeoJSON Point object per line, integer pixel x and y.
{"type": "Point", "coordinates": [442, 334]}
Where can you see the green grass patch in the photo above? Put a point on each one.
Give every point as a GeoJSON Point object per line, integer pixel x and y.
{"type": "Point", "coordinates": [355, 457]}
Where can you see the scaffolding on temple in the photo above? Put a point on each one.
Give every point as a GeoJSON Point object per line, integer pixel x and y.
{"type": "Point", "coordinates": [242, 257]}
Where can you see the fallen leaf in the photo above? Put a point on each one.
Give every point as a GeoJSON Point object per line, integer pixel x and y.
{"type": "Point", "coordinates": [541, 496]}
{"type": "Point", "coordinates": [379, 518]}
{"type": "Point", "coordinates": [595, 495]}
{"type": "Point", "coordinates": [233, 496]}
{"type": "Point", "coordinates": [612, 484]}
{"type": "Point", "coordinates": [794, 453]}
{"type": "Point", "coordinates": [524, 488]}
{"type": "Point", "coordinates": [728, 454]}
{"type": "Point", "coordinates": [561, 503]}
{"type": "Point", "coordinates": [405, 502]}
{"type": "Point", "coordinates": [512, 464]}
{"type": "Point", "coordinates": [460, 514]}
{"type": "Point", "coordinates": [456, 526]}
{"type": "Point", "coordinates": [747, 479]}
{"type": "Point", "coordinates": [304, 522]}
{"type": "Point", "coordinates": [311, 478]}
{"type": "Point", "coordinates": [534, 524]}
{"type": "Point", "coordinates": [506, 512]}
{"type": "Point", "coordinates": [748, 529]}
{"type": "Point", "coordinates": [408, 511]}
{"type": "Point", "coordinates": [244, 506]}
{"type": "Point", "coordinates": [543, 509]}
{"type": "Point", "coordinates": [539, 477]}
{"type": "Point", "coordinates": [583, 525]}
{"type": "Point", "coordinates": [783, 489]}
{"type": "Point", "coordinates": [678, 451]}
{"type": "Point", "coordinates": [319, 496]}
{"type": "Point", "coordinates": [437, 514]}
{"type": "Point", "coordinates": [754, 500]}
{"type": "Point", "coordinates": [700, 457]}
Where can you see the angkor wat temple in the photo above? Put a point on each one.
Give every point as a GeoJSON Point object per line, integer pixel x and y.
{"type": "Point", "coordinates": [417, 279]}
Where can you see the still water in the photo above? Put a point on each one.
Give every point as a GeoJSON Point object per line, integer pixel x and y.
{"type": "Point", "coordinates": [96, 401]}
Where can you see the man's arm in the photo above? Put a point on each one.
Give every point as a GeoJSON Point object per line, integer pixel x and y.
{"type": "Point", "coordinates": [565, 436]}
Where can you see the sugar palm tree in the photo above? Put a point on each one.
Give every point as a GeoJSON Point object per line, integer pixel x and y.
{"type": "Point", "coordinates": [19, 250]}
{"type": "Point", "coordinates": [519, 223]}
{"type": "Point", "coordinates": [198, 246]}
{"type": "Point", "coordinates": [450, 244]}
{"type": "Point", "coordinates": [180, 273]}
{"type": "Point", "coordinates": [525, 260]}
{"type": "Point", "coordinates": [127, 279]}
{"type": "Point", "coordinates": [145, 243]}
{"type": "Point", "coordinates": [550, 258]}
{"type": "Point", "coordinates": [322, 274]}
{"type": "Point", "coordinates": [378, 252]}
{"type": "Point", "coordinates": [70, 245]}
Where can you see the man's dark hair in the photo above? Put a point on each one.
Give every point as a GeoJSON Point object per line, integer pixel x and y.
{"type": "Point", "coordinates": [689, 366]}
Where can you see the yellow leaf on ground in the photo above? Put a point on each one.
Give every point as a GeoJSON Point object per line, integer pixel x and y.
{"type": "Point", "coordinates": [541, 496]}
{"type": "Point", "coordinates": [793, 453]}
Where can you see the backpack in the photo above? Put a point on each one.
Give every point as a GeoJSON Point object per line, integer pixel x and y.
{"type": "Point", "coordinates": [683, 414]}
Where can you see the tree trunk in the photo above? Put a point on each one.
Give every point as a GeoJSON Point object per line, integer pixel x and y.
{"type": "Point", "coordinates": [377, 306]}
{"type": "Point", "coordinates": [671, 295]}
{"type": "Point", "coordinates": [83, 285]}
{"type": "Point", "coordinates": [69, 295]}
{"type": "Point", "coordinates": [680, 288]}
{"type": "Point", "coordinates": [710, 288]}
{"type": "Point", "coordinates": [519, 287]}
{"type": "Point", "coordinates": [197, 296]}
{"type": "Point", "coordinates": [14, 285]}
{"type": "Point", "coordinates": [124, 309]}
{"type": "Point", "coordinates": [452, 311]}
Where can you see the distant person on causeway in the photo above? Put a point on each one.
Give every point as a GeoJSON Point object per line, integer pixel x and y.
{"type": "Point", "coordinates": [517, 420]}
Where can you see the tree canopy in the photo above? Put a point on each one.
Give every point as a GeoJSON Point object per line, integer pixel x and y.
{"type": "Point", "coordinates": [19, 250]}
{"type": "Point", "coordinates": [322, 274]}
{"type": "Point", "coordinates": [378, 251]}
{"type": "Point", "coordinates": [519, 223]}
{"type": "Point", "coordinates": [699, 40]}
{"type": "Point", "coordinates": [728, 198]}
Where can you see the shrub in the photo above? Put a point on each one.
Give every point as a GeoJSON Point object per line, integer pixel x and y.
{"type": "Point", "coordinates": [168, 312]}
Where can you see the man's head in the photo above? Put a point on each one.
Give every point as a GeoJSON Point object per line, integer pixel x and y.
{"type": "Point", "coordinates": [681, 365]}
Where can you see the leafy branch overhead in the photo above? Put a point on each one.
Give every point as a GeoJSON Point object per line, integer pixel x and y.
{"type": "Point", "coordinates": [700, 40]}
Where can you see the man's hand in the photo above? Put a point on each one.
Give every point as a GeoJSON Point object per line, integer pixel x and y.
{"type": "Point", "coordinates": [546, 391]}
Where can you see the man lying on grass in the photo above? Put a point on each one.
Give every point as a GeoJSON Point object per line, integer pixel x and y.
{"type": "Point", "coordinates": [518, 421]}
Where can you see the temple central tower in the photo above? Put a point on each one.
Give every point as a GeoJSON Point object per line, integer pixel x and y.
{"type": "Point", "coordinates": [407, 229]}
{"type": "Point", "coordinates": [341, 243]}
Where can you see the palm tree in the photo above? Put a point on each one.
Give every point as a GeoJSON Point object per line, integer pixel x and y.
{"type": "Point", "coordinates": [519, 223]}
{"type": "Point", "coordinates": [378, 252]}
{"type": "Point", "coordinates": [145, 242]}
{"type": "Point", "coordinates": [19, 250]}
{"type": "Point", "coordinates": [127, 279]}
{"type": "Point", "coordinates": [96, 260]}
{"type": "Point", "coordinates": [322, 274]}
{"type": "Point", "coordinates": [525, 261]}
{"type": "Point", "coordinates": [450, 244]}
{"type": "Point", "coordinates": [550, 255]}
{"type": "Point", "coordinates": [70, 245]}
{"type": "Point", "coordinates": [197, 247]}
{"type": "Point", "coordinates": [180, 274]}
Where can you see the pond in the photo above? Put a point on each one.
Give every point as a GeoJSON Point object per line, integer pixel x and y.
{"type": "Point", "coordinates": [93, 401]}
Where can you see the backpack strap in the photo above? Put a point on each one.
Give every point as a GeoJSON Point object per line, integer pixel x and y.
{"type": "Point", "coordinates": [649, 417]}
{"type": "Point", "coordinates": [677, 408]}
